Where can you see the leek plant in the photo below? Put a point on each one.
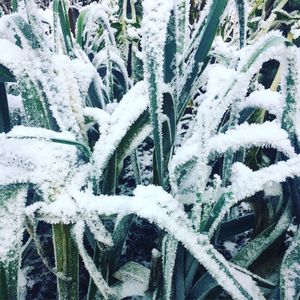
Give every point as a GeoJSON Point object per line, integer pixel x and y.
{"type": "Point", "coordinates": [91, 83]}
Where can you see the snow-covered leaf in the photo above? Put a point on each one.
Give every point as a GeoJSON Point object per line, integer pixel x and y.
{"type": "Point", "coordinates": [160, 207]}
{"type": "Point", "coordinates": [290, 270]}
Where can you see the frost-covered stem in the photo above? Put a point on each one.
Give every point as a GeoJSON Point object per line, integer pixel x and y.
{"type": "Point", "coordinates": [133, 12]}
{"type": "Point", "coordinates": [289, 113]}
{"type": "Point", "coordinates": [155, 114]}
{"type": "Point", "coordinates": [229, 155]}
{"type": "Point", "coordinates": [109, 77]}
{"type": "Point", "coordinates": [119, 236]}
{"type": "Point", "coordinates": [226, 168]}
{"type": "Point", "coordinates": [289, 271]}
{"type": "Point", "coordinates": [241, 10]}
{"type": "Point", "coordinates": [92, 288]}
{"type": "Point", "coordinates": [67, 263]}
{"type": "Point", "coordinates": [98, 279]}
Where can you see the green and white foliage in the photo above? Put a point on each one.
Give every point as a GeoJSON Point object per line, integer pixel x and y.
{"type": "Point", "coordinates": [84, 105]}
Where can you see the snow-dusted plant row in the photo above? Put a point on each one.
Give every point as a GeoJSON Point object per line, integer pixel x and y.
{"type": "Point", "coordinates": [83, 86]}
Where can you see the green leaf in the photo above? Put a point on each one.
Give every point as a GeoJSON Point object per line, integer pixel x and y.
{"type": "Point", "coordinates": [80, 27]}
{"type": "Point", "coordinates": [268, 43]}
{"type": "Point", "coordinates": [110, 176]}
{"type": "Point", "coordinates": [207, 35]}
{"type": "Point", "coordinates": [35, 111]}
{"type": "Point", "coordinates": [3, 283]}
{"type": "Point", "coordinates": [289, 271]}
{"type": "Point", "coordinates": [83, 148]}
{"type": "Point", "coordinates": [155, 114]}
{"type": "Point", "coordinates": [170, 51]}
{"type": "Point", "coordinates": [66, 261]}
{"type": "Point", "coordinates": [4, 111]}
{"type": "Point", "coordinates": [96, 96]}
{"type": "Point", "coordinates": [91, 27]}
{"type": "Point", "coordinates": [61, 13]}
{"type": "Point", "coordinates": [247, 255]}
{"type": "Point", "coordinates": [290, 93]}
{"type": "Point", "coordinates": [28, 35]}
{"type": "Point", "coordinates": [169, 109]}
{"type": "Point", "coordinates": [241, 10]}
{"type": "Point", "coordinates": [215, 211]}
{"type": "Point", "coordinates": [14, 5]}
{"type": "Point", "coordinates": [129, 140]}
{"type": "Point", "coordinates": [6, 75]}
{"type": "Point", "coordinates": [12, 205]}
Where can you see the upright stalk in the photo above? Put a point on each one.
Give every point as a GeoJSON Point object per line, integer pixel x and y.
{"type": "Point", "coordinates": [67, 263]}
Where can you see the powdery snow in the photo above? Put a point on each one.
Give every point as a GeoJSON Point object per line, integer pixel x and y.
{"type": "Point", "coordinates": [158, 206]}
{"type": "Point", "coordinates": [134, 103]}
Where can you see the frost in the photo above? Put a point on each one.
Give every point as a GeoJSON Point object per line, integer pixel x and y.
{"type": "Point", "coordinates": [242, 175]}
{"type": "Point", "coordinates": [101, 58]}
{"type": "Point", "coordinates": [290, 270]}
{"type": "Point", "coordinates": [36, 160]}
{"type": "Point", "coordinates": [219, 78]}
{"type": "Point", "coordinates": [169, 255]}
{"type": "Point", "coordinates": [100, 282]}
{"type": "Point", "coordinates": [154, 25]}
{"type": "Point", "coordinates": [231, 247]}
{"type": "Point", "coordinates": [135, 102]}
{"type": "Point", "coordinates": [101, 234]}
{"type": "Point", "coordinates": [11, 222]}
{"type": "Point", "coordinates": [160, 207]}
{"type": "Point", "coordinates": [249, 135]}
{"type": "Point", "coordinates": [133, 271]}
{"type": "Point", "coordinates": [266, 99]}
{"type": "Point", "coordinates": [94, 16]}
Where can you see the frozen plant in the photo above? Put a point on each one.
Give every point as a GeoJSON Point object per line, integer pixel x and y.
{"type": "Point", "coordinates": [94, 82]}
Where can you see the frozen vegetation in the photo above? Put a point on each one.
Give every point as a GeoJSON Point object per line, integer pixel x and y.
{"type": "Point", "coordinates": [122, 118]}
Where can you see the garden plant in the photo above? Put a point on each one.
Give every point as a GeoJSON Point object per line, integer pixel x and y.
{"type": "Point", "coordinates": [183, 114]}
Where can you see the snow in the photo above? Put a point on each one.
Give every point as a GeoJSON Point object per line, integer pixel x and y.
{"type": "Point", "coordinates": [268, 134]}
{"type": "Point", "coordinates": [219, 78]}
{"type": "Point", "coordinates": [78, 231]}
{"type": "Point", "coordinates": [132, 32]}
{"type": "Point", "coordinates": [265, 99]}
{"type": "Point", "coordinates": [12, 57]}
{"type": "Point", "coordinates": [101, 58]}
{"type": "Point", "coordinates": [15, 103]}
{"type": "Point", "coordinates": [83, 71]}
{"type": "Point", "coordinates": [242, 176]}
{"type": "Point", "coordinates": [36, 160]}
{"type": "Point", "coordinates": [135, 102]}
{"type": "Point", "coordinates": [95, 16]}
{"type": "Point", "coordinates": [34, 156]}
{"type": "Point", "coordinates": [160, 207]}
{"type": "Point", "coordinates": [39, 133]}
{"type": "Point", "coordinates": [11, 222]}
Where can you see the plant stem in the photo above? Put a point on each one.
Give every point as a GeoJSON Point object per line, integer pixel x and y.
{"type": "Point", "coordinates": [67, 262]}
